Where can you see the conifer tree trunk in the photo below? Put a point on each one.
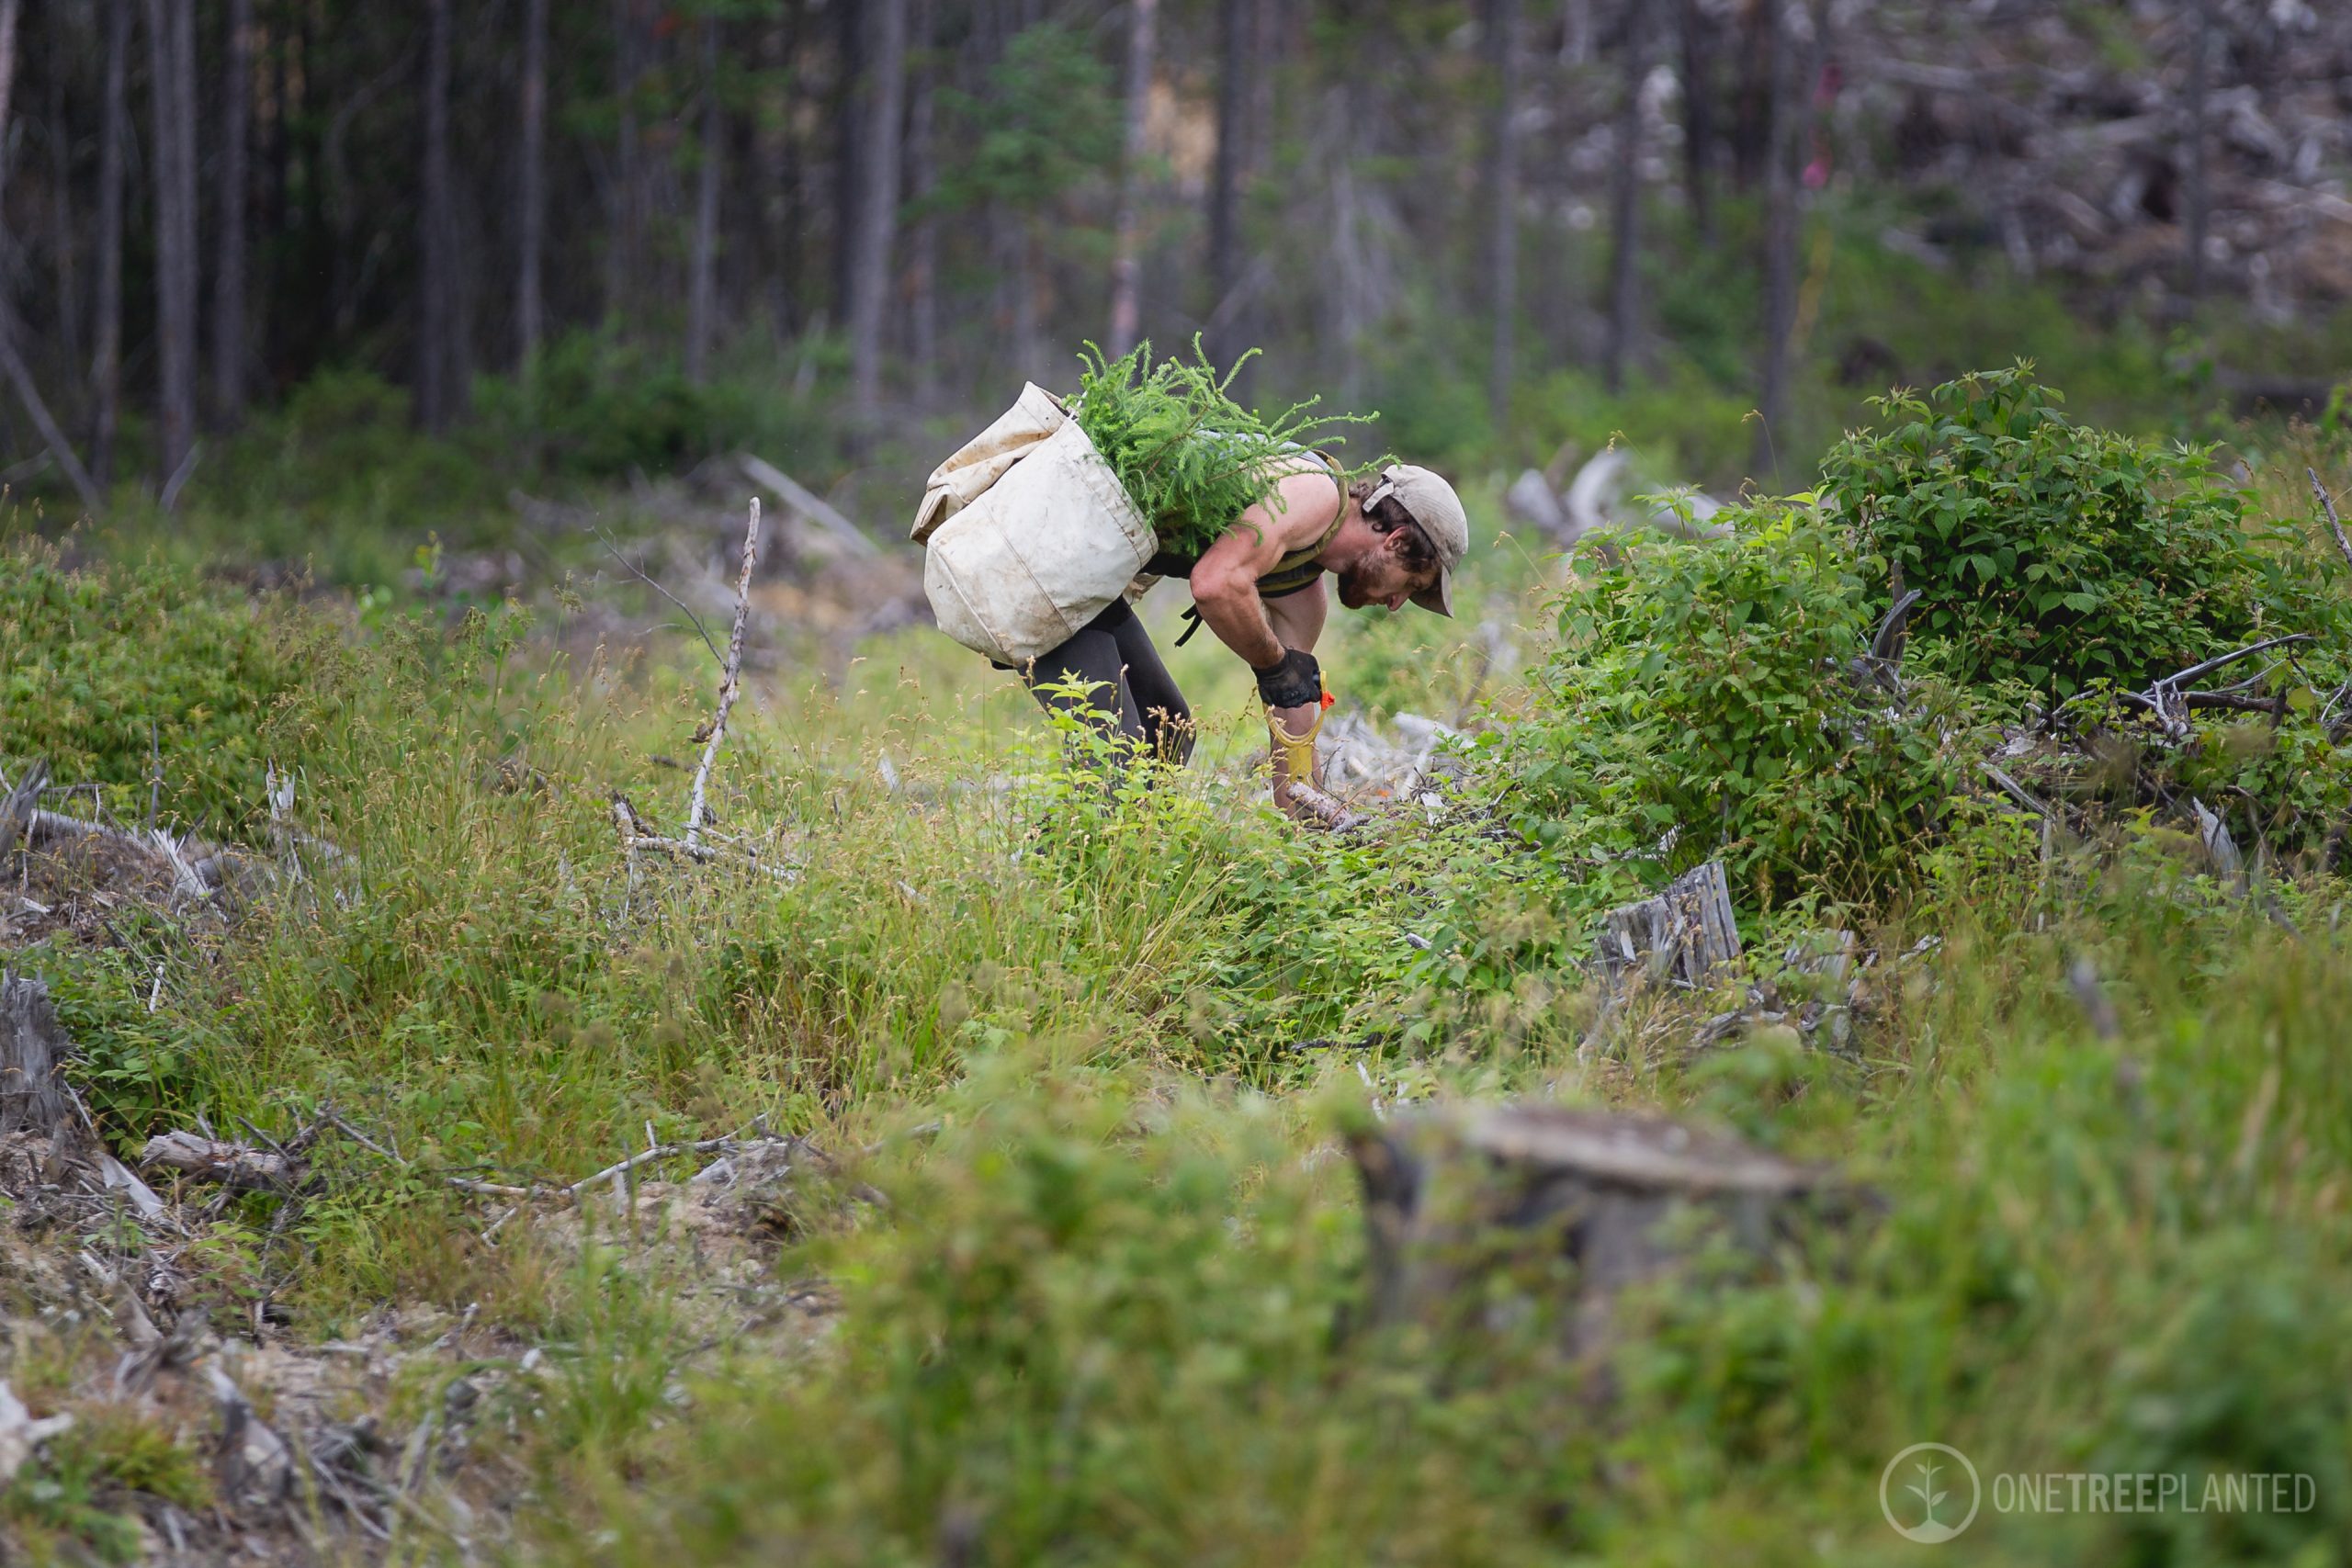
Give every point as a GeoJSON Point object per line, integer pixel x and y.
{"type": "Point", "coordinates": [63, 244]}
{"type": "Point", "coordinates": [1503, 280]}
{"type": "Point", "coordinates": [438, 396]}
{"type": "Point", "coordinates": [106, 357]}
{"type": "Point", "coordinates": [531, 223]}
{"type": "Point", "coordinates": [1625, 201]}
{"type": "Point", "coordinates": [172, 93]}
{"type": "Point", "coordinates": [621, 249]}
{"type": "Point", "coordinates": [1227, 173]}
{"type": "Point", "coordinates": [922, 236]}
{"type": "Point", "coordinates": [878, 205]}
{"type": "Point", "coordinates": [228, 277]}
{"type": "Point", "coordinates": [1776, 65]}
{"type": "Point", "coordinates": [700, 297]}
{"type": "Point", "coordinates": [1127, 256]}
{"type": "Point", "coordinates": [849, 148]}
{"type": "Point", "coordinates": [2199, 26]}
{"type": "Point", "coordinates": [12, 364]}
{"type": "Point", "coordinates": [1699, 118]}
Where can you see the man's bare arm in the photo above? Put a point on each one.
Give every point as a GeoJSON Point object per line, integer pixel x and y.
{"type": "Point", "coordinates": [1225, 583]}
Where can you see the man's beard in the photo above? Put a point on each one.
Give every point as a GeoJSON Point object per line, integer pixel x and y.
{"type": "Point", "coordinates": [1352, 592]}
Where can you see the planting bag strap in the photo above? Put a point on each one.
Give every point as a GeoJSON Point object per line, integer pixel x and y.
{"type": "Point", "coordinates": [1296, 571]}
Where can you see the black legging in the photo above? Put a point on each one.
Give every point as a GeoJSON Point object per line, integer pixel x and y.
{"type": "Point", "coordinates": [1132, 692]}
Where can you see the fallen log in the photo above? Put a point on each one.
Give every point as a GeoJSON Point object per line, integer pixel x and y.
{"type": "Point", "coordinates": [238, 1166]}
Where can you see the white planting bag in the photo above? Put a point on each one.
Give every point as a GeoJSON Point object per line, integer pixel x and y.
{"type": "Point", "coordinates": [1018, 568]}
{"type": "Point", "coordinates": [982, 460]}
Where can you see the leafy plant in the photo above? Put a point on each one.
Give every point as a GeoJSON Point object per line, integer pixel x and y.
{"type": "Point", "coordinates": [1191, 457]}
{"type": "Point", "coordinates": [2046, 551]}
{"type": "Point", "coordinates": [1702, 702]}
{"type": "Point", "coordinates": [111, 666]}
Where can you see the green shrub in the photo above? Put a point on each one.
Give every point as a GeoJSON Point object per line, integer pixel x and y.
{"type": "Point", "coordinates": [1705, 690]}
{"type": "Point", "coordinates": [2046, 551]}
{"type": "Point", "coordinates": [105, 661]}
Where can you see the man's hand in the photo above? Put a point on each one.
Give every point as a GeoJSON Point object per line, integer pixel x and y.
{"type": "Point", "coordinates": [1294, 680]}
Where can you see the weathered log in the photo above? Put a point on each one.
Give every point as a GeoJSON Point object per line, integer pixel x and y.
{"type": "Point", "coordinates": [233, 1165]}
{"type": "Point", "coordinates": [1680, 935]}
{"type": "Point", "coordinates": [32, 1045]}
{"type": "Point", "coordinates": [1573, 1204]}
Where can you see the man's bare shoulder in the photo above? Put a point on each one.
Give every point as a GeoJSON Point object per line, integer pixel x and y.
{"type": "Point", "coordinates": [1304, 503]}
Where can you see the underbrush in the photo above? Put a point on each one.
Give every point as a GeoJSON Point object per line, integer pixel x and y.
{"type": "Point", "coordinates": [1115, 1318]}
{"type": "Point", "coordinates": [1094, 1046]}
{"type": "Point", "coordinates": [151, 685]}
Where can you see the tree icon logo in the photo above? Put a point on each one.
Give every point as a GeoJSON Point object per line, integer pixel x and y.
{"type": "Point", "coordinates": [1928, 1492]}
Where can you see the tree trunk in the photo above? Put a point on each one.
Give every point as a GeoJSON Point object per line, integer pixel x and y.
{"type": "Point", "coordinates": [700, 303]}
{"type": "Point", "coordinates": [228, 279]}
{"type": "Point", "coordinates": [922, 238]}
{"type": "Point", "coordinates": [531, 223]}
{"type": "Point", "coordinates": [105, 358]}
{"type": "Point", "coordinates": [1229, 169]}
{"type": "Point", "coordinates": [1625, 201]}
{"type": "Point", "coordinates": [620, 251]}
{"type": "Point", "coordinates": [1698, 118]}
{"type": "Point", "coordinates": [8, 11]}
{"type": "Point", "coordinates": [2201, 29]}
{"type": "Point", "coordinates": [438, 396]}
{"type": "Point", "coordinates": [172, 91]}
{"type": "Point", "coordinates": [12, 365]}
{"type": "Point", "coordinates": [848, 149]}
{"type": "Point", "coordinates": [1777, 65]}
{"type": "Point", "coordinates": [878, 205]}
{"type": "Point", "coordinates": [1127, 257]}
{"type": "Point", "coordinates": [63, 247]}
{"type": "Point", "coordinates": [1502, 190]}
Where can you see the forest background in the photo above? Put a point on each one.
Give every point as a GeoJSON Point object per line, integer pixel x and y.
{"type": "Point", "coordinates": [248, 244]}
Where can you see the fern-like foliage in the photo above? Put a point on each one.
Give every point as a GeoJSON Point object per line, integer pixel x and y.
{"type": "Point", "coordinates": [1191, 457]}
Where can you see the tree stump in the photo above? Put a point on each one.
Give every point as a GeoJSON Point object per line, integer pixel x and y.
{"type": "Point", "coordinates": [1571, 1204]}
{"type": "Point", "coordinates": [32, 1045]}
{"type": "Point", "coordinates": [1679, 935]}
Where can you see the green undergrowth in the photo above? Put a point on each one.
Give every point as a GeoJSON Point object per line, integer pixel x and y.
{"type": "Point", "coordinates": [1115, 1318]}
{"type": "Point", "coordinates": [1098, 1045]}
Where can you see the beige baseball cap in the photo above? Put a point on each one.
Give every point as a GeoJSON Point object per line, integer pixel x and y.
{"type": "Point", "coordinates": [1429, 502]}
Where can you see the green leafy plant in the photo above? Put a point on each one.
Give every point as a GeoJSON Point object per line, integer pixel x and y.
{"type": "Point", "coordinates": [1191, 457]}
{"type": "Point", "coordinates": [1703, 702]}
{"type": "Point", "coordinates": [2046, 551]}
{"type": "Point", "coordinates": [112, 669]}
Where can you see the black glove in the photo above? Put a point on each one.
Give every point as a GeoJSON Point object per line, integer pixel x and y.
{"type": "Point", "coordinates": [1296, 682]}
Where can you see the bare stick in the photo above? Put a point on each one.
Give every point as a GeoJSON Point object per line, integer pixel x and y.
{"type": "Point", "coordinates": [2230, 657]}
{"type": "Point", "coordinates": [2015, 790]}
{"type": "Point", "coordinates": [639, 572]}
{"type": "Point", "coordinates": [729, 681]}
{"type": "Point", "coordinates": [2335, 523]}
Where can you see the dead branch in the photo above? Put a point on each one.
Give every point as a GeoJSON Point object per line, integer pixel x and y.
{"type": "Point", "coordinates": [807, 504]}
{"type": "Point", "coordinates": [730, 682]}
{"type": "Point", "coordinates": [17, 806]}
{"type": "Point", "coordinates": [2015, 790]}
{"type": "Point", "coordinates": [2327, 506]}
{"type": "Point", "coordinates": [640, 573]}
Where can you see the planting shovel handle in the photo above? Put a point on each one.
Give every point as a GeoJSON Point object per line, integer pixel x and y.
{"type": "Point", "coordinates": [1297, 754]}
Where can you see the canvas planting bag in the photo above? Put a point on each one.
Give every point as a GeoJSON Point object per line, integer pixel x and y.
{"type": "Point", "coordinates": [1028, 534]}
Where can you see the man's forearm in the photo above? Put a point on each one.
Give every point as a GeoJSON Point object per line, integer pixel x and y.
{"type": "Point", "coordinates": [1240, 621]}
